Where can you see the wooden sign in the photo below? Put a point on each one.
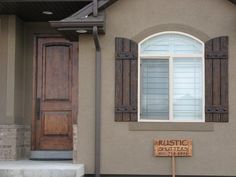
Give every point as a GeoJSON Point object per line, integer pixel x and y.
{"type": "Point", "coordinates": [173, 147]}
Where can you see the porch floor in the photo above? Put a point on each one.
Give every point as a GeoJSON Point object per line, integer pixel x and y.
{"type": "Point", "coordinates": [30, 168]}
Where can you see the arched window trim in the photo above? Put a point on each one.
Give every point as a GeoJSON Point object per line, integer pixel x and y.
{"type": "Point", "coordinates": [171, 79]}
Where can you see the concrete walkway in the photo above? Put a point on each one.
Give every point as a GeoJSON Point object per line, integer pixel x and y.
{"type": "Point", "coordinates": [28, 168]}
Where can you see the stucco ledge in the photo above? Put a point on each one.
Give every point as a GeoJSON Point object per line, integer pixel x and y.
{"type": "Point", "coordinates": [171, 126]}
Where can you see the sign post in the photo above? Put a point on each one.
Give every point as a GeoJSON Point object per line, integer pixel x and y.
{"type": "Point", "coordinates": [173, 166]}
{"type": "Point", "coordinates": [173, 148]}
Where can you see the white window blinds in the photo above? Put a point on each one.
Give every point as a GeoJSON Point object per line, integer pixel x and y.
{"type": "Point", "coordinates": [187, 89]}
{"type": "Point", "coordinates": [155, 91]}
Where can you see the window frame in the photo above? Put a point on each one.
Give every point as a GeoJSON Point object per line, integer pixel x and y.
{"type": "Point", "coordinates": [170, 89]}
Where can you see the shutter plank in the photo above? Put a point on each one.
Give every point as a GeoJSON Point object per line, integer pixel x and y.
{"type": "Point", "coordinates": [208, 90]}
{"type": "Point", "coordinates": [216, 86]}
{"type": "Point", "coordinates": [134, 82]}
{"type": "Point", "coordinates": [119, 80]}
{"type": "Point", "coordinates": [224, 88]}
{"type": "Point", "coordinates": [118, 86]}
{"type": "Point", "coordinates": [126, 87]}
{"type": "Point", "coordinates": [216, 44]}
{"type": "Point", "coordinates": [134, 86]}
{"type": "Point", "coordinates": [126, 80]}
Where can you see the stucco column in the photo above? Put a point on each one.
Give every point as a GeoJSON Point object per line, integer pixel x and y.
{"type": "Point", "coordinates": [13, 135]}
{"type": "Point", "coordinates": [11, 71]}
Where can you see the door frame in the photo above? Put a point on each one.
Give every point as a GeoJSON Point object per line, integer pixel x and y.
{"type": "Point", "coordinates": [34, 86]}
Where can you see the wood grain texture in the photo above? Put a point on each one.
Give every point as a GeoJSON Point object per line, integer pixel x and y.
{"type": "Point", "coordinates": [56, 70]}
{"type": "Point", "coordinates": [126, 52]}
{"type": "Point", "coordinates": [173, 147]}
{"type": "Point", "coordinates": [56, 123]}
{"type": "Point", "coordinates": [57, 76]}
{"type": "Point", "coordinates": [216, 80]}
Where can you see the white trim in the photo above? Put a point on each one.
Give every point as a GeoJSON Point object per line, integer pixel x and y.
{"type": "Point", "coordinates": [151, 120]}
{"type": "Point", "coordinates": [170, 57]}
{"type": "Point", "coordinates": [173, 55]}
{"type": "Point", "coordinates": [170, 32]}
{"type": "Point", "coordinates": [171, 89]}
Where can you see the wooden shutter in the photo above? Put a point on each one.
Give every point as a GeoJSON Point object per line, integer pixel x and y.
{"type": "Point", "coordinates": [126, 82]}
{"type": "Point", "coordinates": [216, 80]}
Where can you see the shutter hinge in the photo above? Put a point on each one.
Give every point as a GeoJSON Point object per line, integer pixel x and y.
{"type": "Point", "coordinates": [126, 109]}
{"type": "Point", "coordinates": [216, 55]}
{"type": "Point", "coordinates": [126, 56]}
{"type": "Point", "coordinates": [216, 109]}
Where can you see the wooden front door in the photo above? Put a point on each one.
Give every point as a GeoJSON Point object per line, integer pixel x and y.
{"type": "Point", "coordinates": [55, 96]}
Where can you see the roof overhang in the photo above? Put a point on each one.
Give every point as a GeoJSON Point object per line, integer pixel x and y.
{"type": "Point", "coordinates": [71, 29]}
{"type": "Point", "coordinates": [33, 10]}
{"type": "Point", "coordinates": [83, 21]}
{"type": "Point", "coordinates": [68, 17]}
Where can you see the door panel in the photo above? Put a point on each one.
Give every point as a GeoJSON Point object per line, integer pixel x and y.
{"type": "Point", "coordinates": [56, 88]}
{"type": "Point", "coordinates": [57, 75]}
{"type": "Point", "coordinates": [56, 123]}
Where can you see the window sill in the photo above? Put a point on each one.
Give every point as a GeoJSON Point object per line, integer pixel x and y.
{"type": "Point", "coordinates": [171, 126]}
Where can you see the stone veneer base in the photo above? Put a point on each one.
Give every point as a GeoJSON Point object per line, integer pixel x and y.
{"type": "Point", "coordinates": [14, 142]}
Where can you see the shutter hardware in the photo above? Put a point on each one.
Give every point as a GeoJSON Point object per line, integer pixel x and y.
{"type": "Point", "coordinates": [217, 55]}
{"type": "Point", "coordinates": [126, 109]}
{"type": "Point", "coordinates": [216, 109]}
{"type": "Point", "coordinates": [126, 56]}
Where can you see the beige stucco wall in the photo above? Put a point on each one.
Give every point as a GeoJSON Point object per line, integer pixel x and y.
{"type": "Point", "coordinates": [3, 69]}
{"type": "Point", "coordinates": [19, 72]}
{"type": "Point", "coordinates": [130, 152]}
{"type": "Point", "coordinates": [11, 70]}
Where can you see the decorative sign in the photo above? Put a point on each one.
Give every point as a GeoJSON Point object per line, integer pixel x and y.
{"type": "Point", "coordinates": [173, 147]}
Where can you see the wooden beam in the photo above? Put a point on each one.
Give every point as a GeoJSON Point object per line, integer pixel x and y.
{"type": "Point", "coordinates": [88, 10]}
{"type": "Point", "coordinates": [82, 21]}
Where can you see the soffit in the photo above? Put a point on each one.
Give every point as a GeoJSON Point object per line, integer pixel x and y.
{"type": "Point", "coordinates": [31, 10]}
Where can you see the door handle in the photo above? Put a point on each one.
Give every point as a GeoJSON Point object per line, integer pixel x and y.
{"type": "Point", "coordinates": [37, 106]}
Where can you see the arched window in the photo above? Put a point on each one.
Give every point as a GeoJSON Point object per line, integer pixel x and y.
{"type": "Point", "coordinates": [171, 78]}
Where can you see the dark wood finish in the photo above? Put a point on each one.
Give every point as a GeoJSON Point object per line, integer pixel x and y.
{"type": "Point", "coordinates": [126, 80]}
{"type": "Point", "coordinates": [88, 10]}
{"type": "Point", "coordinates": [68, 28]}
{"type": "Point", "coordinates": [56, 69]}
{"type": "Point", "coordinates": [83, 19]}
{"type": "Point", "coordinates": [32, 11]}
{"type": "Point", "coordinates": [216, 80]}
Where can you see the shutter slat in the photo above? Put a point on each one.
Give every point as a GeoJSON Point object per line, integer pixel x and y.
{"type": "Point", "coordinates": [208, 90]}
{"type": "Point", "coordinates": [216, 44]}
{"type": "Point", "coordinates": [118, 86]}
{"type": "Point", "coordinates": [126, 87]}
{"type": "Point", "coordinates": [216, 83]}
{"type": "Point", "coordinates": [216, 80]}
{"type": "Point", "coordinates": [134, 86]}
{"type": "Point", "coordinates": [126, 80]}
{"type": "Point", "coordinates": [134, 81]}
{"type": "Point", "coordinates": [224, 88]}
{"type": "Point", "coordinates": [119, 80]}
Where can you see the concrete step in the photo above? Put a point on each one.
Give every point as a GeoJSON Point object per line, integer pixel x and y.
{"type": "Point", "coordinates": [30, 168]}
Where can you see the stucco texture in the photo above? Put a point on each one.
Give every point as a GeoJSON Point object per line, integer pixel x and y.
{"type": "Point", "coordinates": [131, 152]}
{"type": "Point", "coordinates": [11, 70]}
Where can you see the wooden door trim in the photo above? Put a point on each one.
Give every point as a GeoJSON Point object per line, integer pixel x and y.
{"type": "Point", "coordinates": [34, 86]}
